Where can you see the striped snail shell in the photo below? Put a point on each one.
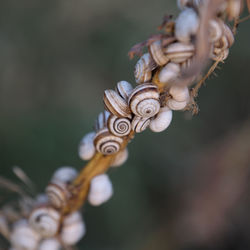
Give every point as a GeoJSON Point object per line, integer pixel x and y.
{"type": "Point", "coordinates": [86, 149]}
{"type": "Point", "coordinates": [106, 143]}
{"type": "Point", "coordinates": [64, 175]}
{"type": "Point", "coordinates": [175, 105]}
{"type": "Point", "coordinates": [102, 120]}
{"type": "Point", "coordinates": [73, 229]}
{"type": "Point", "coordinates": [139, 124]}
{"type": "Point", "coordinates": [169, 73]}
{"type": "Point", "coordinates": [120, 158]}
{"type": "Point", "coordinates": [124, 89]}
{"type": "Point", "coordinates": [45, 221]}
{"type": "Point", "coordinates": [179, 93]}
{"type": "Point", "coordinates": [23, 236]}
{"type": "Point", "coordinates": [119, 126]}
{"type": "Point", "coordinates": [50, 244]}
{"type": "Point", "coordinates": [100, 190]}
{"type": "Point", "coordinates": [162, 120]}
{"type": "Point", "coordinates": [143, 68]}
{"type": "Point", "coordinates": [144, 100]}
{"type": "Point", "coordinates": [156, 51]}
{"type": "Point", "coordinates": [115, 104]}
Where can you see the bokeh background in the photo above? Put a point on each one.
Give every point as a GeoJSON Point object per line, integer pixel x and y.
{"type": "Point", "coordinates": [186, 188]}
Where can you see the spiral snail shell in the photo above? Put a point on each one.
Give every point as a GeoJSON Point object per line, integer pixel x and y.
{"type": "Point", "coordinates": [169, 73]}
{"type": "Point", "coordinates": [45, 221]}
{"type": "Point", "coordinates": [175, 105]}
{"type": "Point", "coordinates": [86, 149]}
{"type": "Point", "coordinates": [50, 244]}
{"type": "Point", "coordinates": [179, 93]}
{"type": "Point", "coordinates": [119, 126]}
{"type": "Point", "coordinates": [156, 51]}
{"type": "Point", "coordinates": [144, 100]}
{"type": "Point", "coordinates": [64, 175]}
{"type": "Point", "coordinates": [102, 120]}
{"type": "Point", "coordinates": [139, 124]}
{"type": "Point", "coordinates": [115, 104]}
{"type": "Point", "coordinates": [106, 143]}
{"type": "Point", "coordinates": [124, 89]}
{"type": "Point", "coordinates": [120, 158]}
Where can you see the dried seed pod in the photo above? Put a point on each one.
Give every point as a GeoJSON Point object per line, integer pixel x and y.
{"type": "Point", "coordinates": [23, 236]}
{"type": "Point", "coordinates": [119, 126]}
{"type": "Point", "coordinates": [64, 175]}
{"type": "Point", "coordinates": [100, 190]}
{"type": "Point", "coordinates": [174, 105]}
{"type": "Point", "coordinates": [115, 104]}
{"type": "Point", "coordinates": [139, 124]}
{"type": "Point", "coordinates": [102, 120]}
{"type": "Point", "coordinates": [179, 52]}
{"type": "Point", "coordinates": [45, 221]}
{"type": "Point", "coordinates": [179, 93]}
{"type": "Point", "coordinates": [144, 100]}
{"type": "Point", "coordinates": [86, 149]}
{"type": "Point", "coordinates": [143, 68]}
{"type": "Point", "coordinates": [156, 51]}
{"type": "Point", "coordinates": [50, 244]}
{"type": "Point", "coordinates": [215, 30]}
{"type": "Point", "coordinates": [124, 89]}
{"type": "Point", "coordinates": [162, 120]}
{"type": "Point", "coordinates": [106, 143]}
{"type": "Point", "coordinates": [120, 158]}
{"type": "Point", "coordinates": [169, 73]}
{"type": "Point", "coordinates": [73, 229]}
{"type": "Point", "coordinates": [186, 25]}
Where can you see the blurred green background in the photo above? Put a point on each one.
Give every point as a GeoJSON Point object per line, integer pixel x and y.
{"type": "Point", "coordinates": [186, 188]}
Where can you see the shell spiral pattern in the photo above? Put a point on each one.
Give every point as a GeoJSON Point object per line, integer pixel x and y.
{"type": "Point", "coordinates": [119, 126]}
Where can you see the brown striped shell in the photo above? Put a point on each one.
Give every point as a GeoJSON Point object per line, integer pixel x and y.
{"type": "Point", "coordinates": [124, 89]}
{"type": "Point", "coordinates": [156, 51]}
{"type": "Point", "coordinates": [119, 126]}
{"type": "Point", "coordinates": [139, 124]}
{"type": "Point", "coordinates": [102, 120]}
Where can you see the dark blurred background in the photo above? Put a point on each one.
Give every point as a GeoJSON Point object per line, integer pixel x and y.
{"type": "Point", "coordinates": [186, 188]}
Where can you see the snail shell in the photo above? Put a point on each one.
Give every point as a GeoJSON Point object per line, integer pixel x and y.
{"type": "Point", "coordinates": [228, 34]}
{"type": "Point", "coordinates": [45, 221]}
{"type": "Point", "coordinates": [115, 104]}
{"type": "Point", "coordinates": [23, 236]}
{"type": "Point", "coordinates": [86, 148]}
{"type": "Point", "coordinates": [124, 89]}
{"type": "Point", "coordinates": [50, 244]}
{"type": "Point", "coordinates": [120, 158]}
{"type": "Point", "coordinates": [169, 73]}
{"type": "Point", "coordinates": [182, 4]}
{"type": "Point", "coordinates": [144, 100]}
{"type": "Point", "coordinates": [234, 8]}
{"type": "Point", "coordinates": [73, 229]}
{"type": "Point", "coordinates": [119, 126]}
{"type": "Point", "coordinates": [220, 55]}
{"type": "Point", "coordinates": [215, 30]}
{"type": "Point", "coordinates": [179, 93]}
{"type": "Point", "coordinates": [162, 120]}
{"type": "Point", "coordinates": [143, 68]}
{"type": "Point", "coordinates": [102, 120]}
{"type": "Point", "coordinates": [100, 190]}
{"type": "Point", "coordinates": [156, 51]}
{"type": "Point", "coordinates": [106, 143]}
{"type": "Point", "coordinates": [186, 25]}
{"type": "Point", "coordinates": [64, 175]}
{"type": "Point", "coordinates": [174, 105]}
{"type": "Point", "coordinates": [179, 52]}
{"type": "Point", "coordinates": [140, 124]}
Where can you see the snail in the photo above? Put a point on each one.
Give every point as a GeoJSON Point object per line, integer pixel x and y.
{"type": "Point", "coordinates": [120, 158]}
{"type": "Point", "coordinates": [50, 244]}
{"type": "Point", "coordinates": [73, 229]}
{"type": "Point", "coordinates": [106, 143]}
{"type": "Point", "coordinates": [100, 190]}
{"type": "Point", "coordinates": [144, 100]}
{"type": "Point", "coordinates": [169, 72]}
{"type": "Point", "coordinates": [228, 34]}
{"type": "Point", "coordinates": [156, 51]}
{"type": "Point", "coordinates": [102, 120]}
{"type": "Point", "coordinates": [182, 4]}
{"type": "Point", "coordinates": [139, 124]}
{"type": "Point", "coordinates": [115, 104]}
{"type": "Point", "coordinates": [186, 25]}
{"type": "Point", "coordinates": [86, 149]}
{"type": "Point", "coordinates": [162, 120]}
{"type": "Point", "coordinates": [234, 8]}
{"type": "Point", "coordinates": [45, 221]}
{"type": "Point", "coordinates": [215, 30]}
{"type": "Point", "coordinates": [64, 175]}
{"type": "Point", "coordinates": [143, 68]}
{"type": "Point", "coordinates": [23, 236]}
{"type": "Point", "coordinates": [119, 126]}
{"type": "Point", "coordinates": [124, 89]}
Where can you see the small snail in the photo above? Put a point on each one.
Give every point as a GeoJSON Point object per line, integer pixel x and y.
{"type": "Point", "coordinates": [100, 190]}
{"type": "Point", "coordinates": [139, 124]}
{"type": "Point", "coordinates": [64, 175]}
{"type": "Point", "coordinates": [119, 126]}
{"type": "Point", "coordinates": [73, 229]}
{"type": "Point", "coordinates": [156, 51]}
{"type": "Point", "coordinates": [144, 100]}
{"type": "Point", "coordinates": [234, 8]}
{"type": "Point", "coordinates": [179, 93]}
{"type": "Point", "coordinates": [115, 104]}
{"type": "Point", "coordinates": [175, 105]}
{"type": "Point", "coordinates": [228, 34]}
{"type": "Point", "coordinates": [106, 143]}
{"type": "Point", "coordinates": [50, 244]}
{"type": "Point", "coordinates": [120, 158]}
{"type": "Point", "coordinates": [162, 120]}
{"type": "Point", "coordinates": [45, 221]}
{"type": "Point", "coordinates": [215, 30]}
{"type": "Point", "coordinates": [102, 120]}
{"type": "Point", "coordinates": [186, 25]}
{"type": "Point", "coordinates": [169, 73]}
{"type": "Point", "coordinates": [86, 148]}
{"type": "Point", "coordinates": [124, 89]}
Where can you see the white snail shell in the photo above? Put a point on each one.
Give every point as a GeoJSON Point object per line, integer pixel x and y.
{"type": "Point", "coordinates": [120, 158]}
{"type": "Point", "coordinates": [182, 4]}
{"type": "Point", "coordinates": [119, 126]}
{"type": "Point", "coordinates": [228, 34]}
{"type": "Point", "coordinates": [102, 120]}
{"type": "Point", "coordinates": [50, 244]}
{"type": "Point", "coordinates": [23, 236]}
{"type": "Point", "coordinates": [106, 143]}
{"type": "Point", "coordinates": [86, 148]}
{"type": "Point", "coordinates": [45, 221]}
{"type": "Point", "coordinates": [73, 229]}
{"type": "Point", "coordinates": [41, 199]}
{"type": "Point", "coordinates": [162, 120]}
{"type": "Point", "coordinates": [175, 105]}
{"type": "Point", "coordinates": [64, 175]}
{"type": "Point", "coordinates": [143, 68]}
{"type": "Point", "coordinates": [179, 52]}
{"type": "Point", "coordinates": [169, 73]}
{"type": "Point", "coordinates": [186, 25]}
{"type": "Point", "coordinates": [100, 190]}
{"type": "Point", "coordinates": [140, 124]}
{"type": "Point", "coordinates": [115, 104]}
{"type": "Point", "coordinates": [124, 89]}
{"type": "Point", "coordinates": [179, 93]}
{"type": "Point", "coordinates": [156, 51]}
{"type": "Point", "coordinates": [144, 100]}
{"type": "Point", "coordinates": [215, 30]}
